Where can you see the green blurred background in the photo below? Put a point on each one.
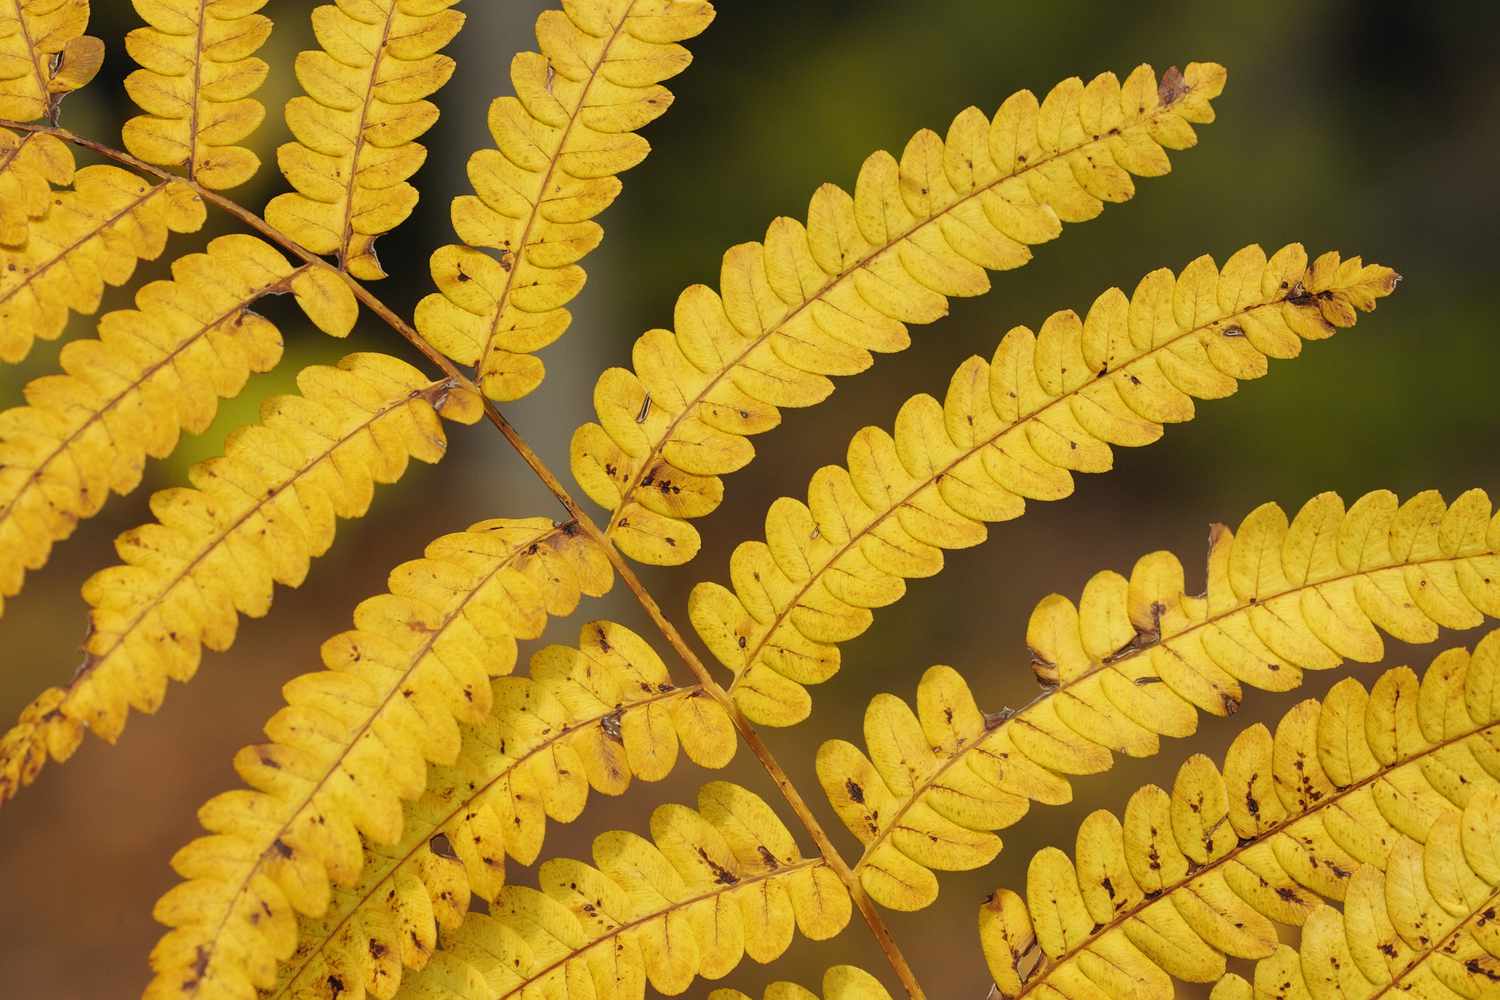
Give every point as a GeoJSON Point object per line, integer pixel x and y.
{"type": "Point", "coordinates": [1366, 127]}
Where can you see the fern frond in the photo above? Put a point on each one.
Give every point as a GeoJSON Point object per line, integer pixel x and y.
{"type": "Point", "coordinates": [1137, 660]}
{"type": "Point", "coordinates": [718, 884]}
{"type": "Point", "coordinates": [1205, 871]}
{"type": "Point", "coordinates": [30, 167]}
{"type": "Point", "coordinates": [357, 126]}
{"type": "Point", "coordinates": [196, 83]}
{"type": "Point", "coordinates": [560, 144]}
{"type": "Point", "coordinates": [153, 372]}
{"type": "Point", "coordinates": [1047, 405]}
{"type": "Point", "coordinates": [842, 982]}
{"type": "Point", "coordinates": [91, 237]}
{"type": "Point", "coordinates": [594, 716]}
{"type": "Point", "coordinates": [44, 55]}
{"type": "Point", "coordinates": [354, 741]}
{"type": "Point", "coordinates": [814, 301]}
{"type": "Point", "coordinates": [255, 518]}
{"type": "Point", "coordinates": [1424, 927]}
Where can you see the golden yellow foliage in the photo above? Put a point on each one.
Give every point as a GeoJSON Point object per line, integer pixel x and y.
{"type": "Point", "coordinates": [196, 84]}
{"type": "Point", "coordinates": [842, 982]}
{"type": "Point", "coordinates": [591, 716]}
{"type": "Point", "coordinates": [353, 743]}
{"type": "Point", "coordinates": [44, 55]}
{"type": "Point", "coordinates": [559, 144]}
{"type": "Point", "coordinates": [30, 167]}
{"type": "Point", "coordinates": [1345, 788]}
{"type": "Point", "coordinates": [719, 883]}
{"type": "Point", "coordinates": [1047, 405]}
{"type": "Point", "coordinates": [254, 518]}
{"type": "Point", "coordinates": [814, 301]}
{"type": "Point", "coordinates": [91, 237]}
{"type": "Point", "coordinates": [357, 126]}
{"type": "Point", "coordinates": [154, 372]}
{"type": "Point", "coordinates": [1137, 660]}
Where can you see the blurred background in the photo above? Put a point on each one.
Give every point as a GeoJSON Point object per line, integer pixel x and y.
{"type": "Point", "coordinates": [1366, 127]}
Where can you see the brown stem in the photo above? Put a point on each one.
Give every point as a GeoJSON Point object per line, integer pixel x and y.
{"type": "Point", "coordinates": [533, 461]}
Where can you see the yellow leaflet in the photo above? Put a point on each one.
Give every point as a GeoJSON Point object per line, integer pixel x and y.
{"type": "Point", "coordinates": [90, 238]}
{"type": "Point", "coordinates": [1139, 658]}
{"type": "Point", "coordinates": [1343, 791]}
{"type": "Point", "coordinates": [842, 982]}
{"type": "Point", "coordinates": [711, 887]}
{"type": "Point", "coordinates": [356, 128]}
{"type": "Point", "coordinates": [560, 142]}
{"type": "Point", "coordinates": [815, 300]}
{"type": "Point", "coordinates": [1047, 405]}
{"type": "Point", "coordinates": [1425, 926]}
{"type": "Point", "coordinates": [31, 166]}
{"type": "Point", "coordinates": [196, 83]}
{"type": "Point", "coordinates": [353, 744]}
{"type": "Point", "coordinates": [254, 518]}
{"type": "Point", "coordinates": [44, 55]}
{"type": "Point", "coordinates": [590, 716]}
{"type": "Point", "coordinates": [154, 371]}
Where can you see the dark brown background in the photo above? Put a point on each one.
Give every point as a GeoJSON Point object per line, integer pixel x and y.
{"type": "Point", "coordinates": [1365, 127]}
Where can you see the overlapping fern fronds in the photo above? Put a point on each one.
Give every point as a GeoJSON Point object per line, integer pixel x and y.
{"type": "Point", "coordinates": [1344, 790]}
{"type": "Point", "coordinates": [31, 165]}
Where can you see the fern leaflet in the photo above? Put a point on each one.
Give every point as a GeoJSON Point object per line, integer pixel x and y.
{"type": "Point", "coordinates": [153, 372]}
{"type": "Point", "coordinates": [196, 84]}
{"type": "Point", "coordinates": [354, 741]}
{"type": "Point", "coordinates": [842, 982]}
{"type": "Point", "coordinates": [593, 716]}
{"type": "Point", "coordinates": [256, 517]}
{"type": "Point", "coordinates": [560, 143]}
{"type": "Point", "coordinates": [91, 237]}
{"type": "Point", "coordinates": [814, 301]}
{"type": "Point", "coordinates": [1010, 429]}
{"type": "Point", "coordinates": [30, 167]}
{"type": "Point", "coordinates": [44, 55]}
{"type": "Point", "coordinates": [1137, 660]}
{"type": "Point", "coordinates": [718, 884]}
{"type": "Point", "coordinates": [1192, 876]}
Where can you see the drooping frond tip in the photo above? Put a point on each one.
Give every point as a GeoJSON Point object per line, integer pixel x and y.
{"type": "Point", "coordinates": [560, 144]}
{"type": "Point", "coordinates": [718, 884]}
{"type": "Point", "coordinates": [254, 518]}
{"type": "Point", "coordinates": [842, 982]}
{"type": "Point", "coordinates": [44, 55]}
{"type": "Point", "coordinates": [196, 84]}
{"type": "Point", "coordinates": [593, 716]}
{"type": "Point", "coordinates": [815, 300]}
{"type": "Point", "coordinates": [357, 125]}
{"type": "Point", "coordinates": [1137, 659]}
{"type": "Point", "coordinates": [1190, 876]}
{"type": "Point", "coordinates": [153, 372]}
{"type": "Point", "coordinates": [1015, 428]}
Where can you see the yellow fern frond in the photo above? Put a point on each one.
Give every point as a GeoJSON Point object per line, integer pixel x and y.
{"type": "Point", "coordinates": [90, 238]}
{"type": "Point", "coordinates": [1137, 660]}
{"type": "Point", "coordinates": [196, 84]}
{"type": "Point", "coordinates": [30, 167]}
{"type": "Point", "coordinates": [1206, 870]}
{"type": "Point", "coordinates": [357, 126]}
{"type": "Point", "coordinates": [255, 518]}
{"type": "Point", "coordinates": [593, 716]}
{"type": "Point", "coordinates": [718, 884]}
{"type": "Point", "coordinates": [154, 371]}
{"type": "Point", "coordinates": [1424, 927]}
{"type": "Point", "coordinates": [815, 300]}
{"type": "Point", "coordinates": [560, 142]}
{"type": "Point", "coordinates": [1048, 404]}
{"type": "Point", "coordinates": [842, 982]}
{"type": "Point", "coordinates": [354, 741]}
{"type": "Point", "coordinates": [44, 55]}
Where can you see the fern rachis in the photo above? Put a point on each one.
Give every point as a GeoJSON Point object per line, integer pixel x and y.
{"type": "Point", "coordinates": [399, 777]}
